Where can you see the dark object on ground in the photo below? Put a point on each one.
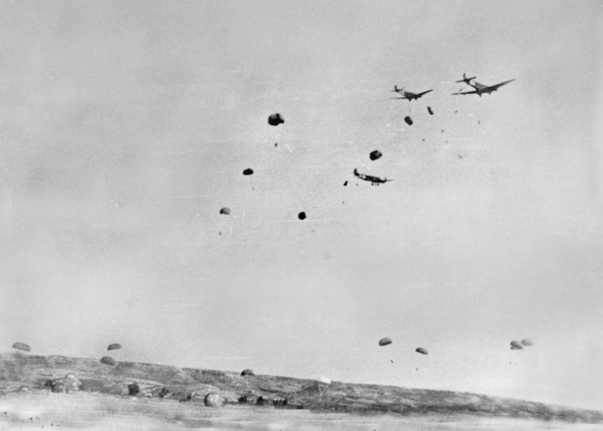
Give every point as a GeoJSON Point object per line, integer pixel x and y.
{"type": "Point", "coordinates": [375, 155]}
{"type": "Point", "coordinates": [421, 351]}
{"type": "Point", "coordinates": [225, 211]}
{"type": "Point", "coordinates": [301, 215]}
{"type": "Point", "coordinates": [408, 120]}
{"type": "Point", "coordinates": [66, 384]}
{"type": "Point", "coordinates": [21, 346]}
{"type": "Point", "coordinates": [345, 184]}
{"type": "Point", "coordinates": [385, 341]}
{"type": "Point", "coordinates": [275, 120]}
{"type": "Point", "coordinates": [114, 346]}
{"type": "Point", "coordinates": [247, 372]}
{"type": "Point", "coordinates": [280, 402]}
{"type": "Point", "coordinates": [429, 110]}
{"type": "Point", "coordinates": [108, 360]}
{"type": "Point", "coordinates": [133, 389]}
{"type": "Point", "coordinates": [213, 400]}
{"type": "Point", "coordinates": [248, 171]}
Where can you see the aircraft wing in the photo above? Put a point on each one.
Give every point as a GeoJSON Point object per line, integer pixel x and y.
{"type": "Point", "coordinates": [400, 97]}
{"type": "Point", "coordinates": [494, 87]}
{"type": "Point", "coordinates": [425, 92]}
{"type": "Point", "coordinates": [467, 92]}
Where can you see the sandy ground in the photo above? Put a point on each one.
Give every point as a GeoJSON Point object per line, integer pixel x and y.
{"type": "Point", "coordinates": [44, 410]}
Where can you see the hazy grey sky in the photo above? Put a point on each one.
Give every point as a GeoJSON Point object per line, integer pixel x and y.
{"type": "Point", "coordinates": [125, 127]}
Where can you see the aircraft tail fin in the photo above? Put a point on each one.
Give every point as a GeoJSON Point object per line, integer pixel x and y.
{"type": "Point", "coordinates": [465, 79]}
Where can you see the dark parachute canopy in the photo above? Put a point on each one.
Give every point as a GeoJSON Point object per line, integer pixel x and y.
{"type": "Point", "coordinates": [21, 346]}
{"type": "Point", "coordinates": [108, 360]}
{"type": "Point", "coordinates": [225, 211]}
{"type": "Point", "coordinates": [429, 110]}
{"type": "Point", "coordinates": [248, 171]}
{"type": "Point", "coordinates": [375, 155]}
{"type": "Point", "coordinates": [247, 372]}
{"type": "Point", "coordinates": [385, 341]}
{"type": "Point", "coordinates": [421, 351]}
{"type": "Point", "coordinates": [301, 215]}
{"type": "Point", "coordinates": [527, 342]}
{"type": "Point", "coordinates": [515, 345]}
{"type": "Point", "coordinates": [114, 346]}
{"type": "Point", "coordinates": [408, 120]}
{"type": "Point", "coordinates": [275, 119]}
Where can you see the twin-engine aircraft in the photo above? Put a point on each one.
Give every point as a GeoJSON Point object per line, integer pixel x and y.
{"type": "Point", "coordinates": [407, 94]}
{"type": "Point", "coordinates": [375, 181]}
{"type": "Point", "coordinates": [480, 88]}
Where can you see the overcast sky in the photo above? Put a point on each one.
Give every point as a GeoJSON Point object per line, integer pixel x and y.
{"type": "Point", "coordinates": [125, 127]}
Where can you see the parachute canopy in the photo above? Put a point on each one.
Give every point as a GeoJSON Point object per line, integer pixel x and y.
{"type": "Point", "coordinates": [21, 346]}
{"type": "Point", "coordinates": [248, 171]}
{"type": "Point", "coordinates": [421, 351]}
{"type": "Point", "coordinates": [324, 380]}
{"type": "Point", "coordinates": [516, 346]}
{"type": "Point", "coordinates": [429, 110]}
{"type": "Point", "coordinates": [408, 120]}
{"type": "Point", "coordinates": [247, 372]}
{"type": "Point", "coordinates": [385, 341]}
{"type": "Point", "coordinates": [301, 215]}
{"type": "Point", "coordinates": [527, 342]}
{"type": "Point", "coordinates": [108, 360]}
{"type": "Point", "coordinates": [114, 346]}
{"type": "Point", "coordinates": [275, 119]}
{"type": "Point", "coordinates": [225, 211]}
{"type": "Point", "coordinates": [375, 155]}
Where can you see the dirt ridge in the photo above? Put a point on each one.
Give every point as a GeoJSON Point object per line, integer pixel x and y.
{"type": "Point", "coordinates": [18, 371]}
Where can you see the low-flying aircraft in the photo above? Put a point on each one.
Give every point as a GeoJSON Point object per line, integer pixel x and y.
{"type": "Point", "coordinates": [481, 88]}
{"type": "Point", "coordinates": [466, 80]}
{"type": "Point", "coordinates": [375, 181]}
{"type": "Point", "coordinates": [407, 94]}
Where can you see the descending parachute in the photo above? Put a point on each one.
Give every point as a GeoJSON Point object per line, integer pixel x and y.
{"type": "Point", "coordinates": [108, 360]}
{"type": "Point", "coordinates": [527, 342]}
{"type": "Point", "coordinates": [421, 351]}
{"type": "Point", "coordinates": [375, 155]}
{"type": "Point", "coordinates": [114, 346]}
{"type": "Point", "coordinates": [247, 372]}
{"type": "Point", "coordinates": [21, 346]}
{"type": "Point", "coordinates": [515, 345]}
{"type": "Point", "coordinates": [275, 119]}
{"type": "Point", "coordinates": [385, 341]}
{"type": "Point", "coordinates": [429, 110]}
{"type": "Point", "coordinates": [408, 120]}
{"type": "Point", "coordinates": [225, 211]}
{"type": "Point", "coordinates": [248, 171]}
{"type": "Point", "coordinates": [301, 215]}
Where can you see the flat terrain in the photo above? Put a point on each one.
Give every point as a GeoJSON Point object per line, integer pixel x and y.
{"type": "Point", "coordinates": [172, 398]}
{"type": "Point", "coordinates": [40, 409]}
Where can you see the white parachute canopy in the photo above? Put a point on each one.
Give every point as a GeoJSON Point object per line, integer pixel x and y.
{"type": "Point", "coordinates": [324, 380]}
